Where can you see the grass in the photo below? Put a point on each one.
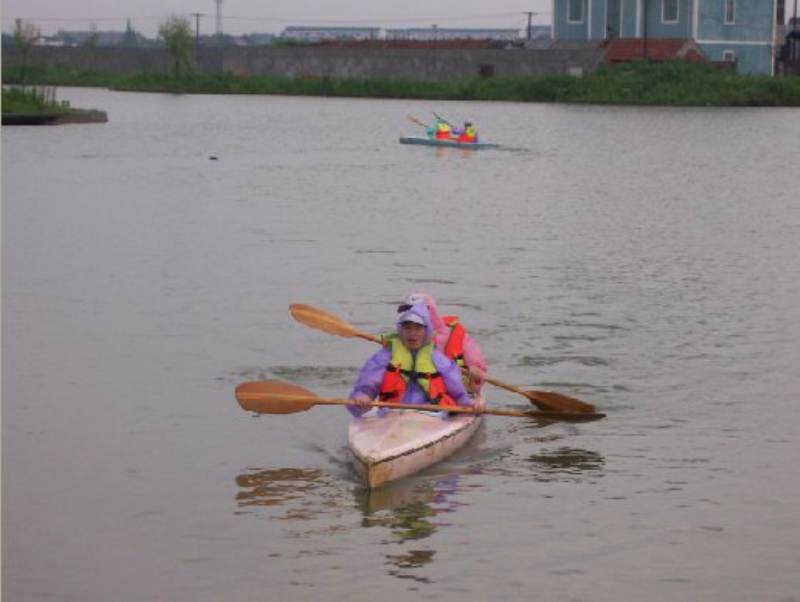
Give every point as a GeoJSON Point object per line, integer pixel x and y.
{"type": "Point", "coordinates": [637, 83]}
{"type": "Point", "coordinates": [32, 100]}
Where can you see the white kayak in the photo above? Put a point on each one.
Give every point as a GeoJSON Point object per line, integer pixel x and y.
{"type": "Point", "coordinates": [404, 442]}
{"type": "Point", "coordinates": [446, 142]}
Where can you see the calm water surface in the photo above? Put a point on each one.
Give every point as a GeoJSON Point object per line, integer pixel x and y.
{"type": "Point", "coordinates": [643, 259]}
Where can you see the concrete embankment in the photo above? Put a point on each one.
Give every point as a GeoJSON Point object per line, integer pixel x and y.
{"type": "Point", "coordinates": [430, 64]}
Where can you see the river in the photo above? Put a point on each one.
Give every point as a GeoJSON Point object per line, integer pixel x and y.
{"type": "Point", "coordinates": [643, 259]}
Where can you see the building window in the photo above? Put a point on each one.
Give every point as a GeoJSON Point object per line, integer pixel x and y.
{"type": "Point", "coordinates": [730, 12]}
{"type": "Point", "coordinates": [729, 56]}
{"type": "Point", "coordinates": [575, 11]}
{"type": "Point", "coordinates": [669, 11]}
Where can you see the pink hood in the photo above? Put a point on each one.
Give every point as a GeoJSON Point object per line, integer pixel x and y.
{"type": "Point", "coordinates": [472, 353]}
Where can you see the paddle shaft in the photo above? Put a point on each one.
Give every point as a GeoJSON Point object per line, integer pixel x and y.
{"type": "Point", "coordinates": [266, 403]}
{"type": "Point", "coordinates": [570, 416]}
{"type": "Point", "coordinates": [461, 410]}
{"type": "Point", "coordinates": [417, 121]}
{"type": "Point", "coordinates": [440, 118]}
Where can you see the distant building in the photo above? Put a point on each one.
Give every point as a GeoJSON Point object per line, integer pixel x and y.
{"type": "Point", "coordinates": [50, 41]}
{"type": "Point", "coordinates": [453, 33]}
{"type": "Point", "coordinates": [745, 32]}
{"type": "Point", "coordinates": [790, 53]}
{"type": "Point", "coordinates": [319, 34]}
{"type": "Point", "coordinates": [258, 39]}
{"type": "Point", "coordinates": [539, 32]}
{"type": "Point", "coordinates": [89, 38]}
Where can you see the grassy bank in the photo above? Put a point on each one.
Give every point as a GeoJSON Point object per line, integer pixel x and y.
{"type": "Point", "coordinates": [641, 83]}
{"type": "Point", "coordinates": [37, 105]}
{"type": "Point", "coordinates": [31, 100]}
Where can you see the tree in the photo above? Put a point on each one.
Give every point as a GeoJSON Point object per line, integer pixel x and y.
{"type": "Point", "coordinates": [93, 38]}
{"type": "Point", "coordinates": [131, 38]}
{"type": "Point", "coordinates": [25, 35]}
{"type": "Point", "coordinates": [177, 35]}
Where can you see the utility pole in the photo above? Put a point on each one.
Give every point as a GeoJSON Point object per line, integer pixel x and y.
{"type": "Point", "coordinates": [219, 18]}
{"type": "Point", "coordinates": [645, 29]}
{"type": "Point", "coordinates": [530, 16]}
{"type": "Point", "coordinates": [197, 28]}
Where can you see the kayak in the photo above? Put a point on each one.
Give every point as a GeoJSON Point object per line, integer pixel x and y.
{"type": "Point", "coordinates": [444, 142]}
{"type": "Point", "coordinates": [404, 442]}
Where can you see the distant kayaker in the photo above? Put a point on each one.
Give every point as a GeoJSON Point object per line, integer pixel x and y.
{"type": "Point", "coordinates": [409, 369]}
{"type": "Point", "coordinates": [467, 134]}
{"type": "Point", "coordinates": [442, 130]}
{"type": "Point", "coordinates": [453, 340]}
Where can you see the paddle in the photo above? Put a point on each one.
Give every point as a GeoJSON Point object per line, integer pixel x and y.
{"type": "Point", "coordinates": [275, 397]}
{"type": "Point", "coordinates": [417, 121]}
{"type": "Point", "coordinates": [440, 118]}
{"type": "Point", "coordinates": [326, 322]}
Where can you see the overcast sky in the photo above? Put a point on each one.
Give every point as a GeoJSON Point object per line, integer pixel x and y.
{"type": "Point", "coordinates": [249, 16]}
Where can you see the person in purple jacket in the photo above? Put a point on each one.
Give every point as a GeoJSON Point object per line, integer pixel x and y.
{"type": "Point", "coordinates": [409, 369]}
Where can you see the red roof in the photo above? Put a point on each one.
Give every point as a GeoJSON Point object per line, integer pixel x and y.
{"type": "Point", "coordinates": [621, 50]}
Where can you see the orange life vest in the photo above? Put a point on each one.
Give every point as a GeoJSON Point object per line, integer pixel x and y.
{"type": "Point", "coordinates": [454, 348]}
{"type": "Point", "coordinates": [469, 134]}
{"type": "Point", "coordinates": [443, 131]}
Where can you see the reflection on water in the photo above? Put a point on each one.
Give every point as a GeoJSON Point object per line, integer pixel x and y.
{"type": "Point", "coordinates": [409, 509]}
{"type": "Point", "coordinates": [566, 464]}
{"type": "Point", "coordinates": [316, 375]}
{"type": "Point", "coordinates": [277, 487]}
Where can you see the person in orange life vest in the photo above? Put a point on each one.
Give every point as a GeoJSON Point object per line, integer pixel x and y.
{"type": "Point", "coordinates": [443, 131]}
{"type": "Point", "coordinates": [467, 134]}
{"type": "Point", "coordinates": [453, 339]}
{"type": "Point", "coordinates": [409, 369]}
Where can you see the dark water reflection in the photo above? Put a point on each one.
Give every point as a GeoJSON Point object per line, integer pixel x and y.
{"type": "Point", "coordinates": [409, 511]}
{"type": "Point", "coordinates": [277, 487]}
{"type": "Point", "coordinates": [566, 464]}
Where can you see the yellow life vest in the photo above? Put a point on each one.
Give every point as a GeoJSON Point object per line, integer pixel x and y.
{"type": "Point", "coordinates": [402, 368]}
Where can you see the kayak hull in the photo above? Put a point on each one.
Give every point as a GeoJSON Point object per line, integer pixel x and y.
{"type": "Point", "coordinates": [446, 143]}
{"type": "Point", "coordinates": [404, 442]}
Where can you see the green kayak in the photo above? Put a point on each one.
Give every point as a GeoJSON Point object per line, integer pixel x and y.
{"type": "Point", "coordinates": [448, 143]}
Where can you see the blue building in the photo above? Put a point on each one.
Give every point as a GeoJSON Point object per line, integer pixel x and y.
{"type": "Point", "coordinates": [747, 32]}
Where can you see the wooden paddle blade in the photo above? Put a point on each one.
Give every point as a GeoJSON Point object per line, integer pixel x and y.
{"type": "Point", "coordinates": [321, 320]}
{"type": "Point", "coordinates": [548, 400]}
{"type": "Point", "coordinates": [569, 416]}
{"type": "Point", "coordinates": [327, 322]}
{"type": "Point", "coordinates": [274, 397]}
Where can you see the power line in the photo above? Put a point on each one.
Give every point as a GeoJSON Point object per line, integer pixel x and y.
{"type": "Point", "coordinates": [276, 19]}
{"type": "Point", "coordinates": [380, 20]}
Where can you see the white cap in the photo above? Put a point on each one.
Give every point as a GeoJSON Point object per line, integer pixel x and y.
{"type": "Point", "coordinates": [410, 316]}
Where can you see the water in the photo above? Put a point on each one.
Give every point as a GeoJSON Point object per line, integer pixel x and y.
{"type": "Point", "coordinates": [643, 259]}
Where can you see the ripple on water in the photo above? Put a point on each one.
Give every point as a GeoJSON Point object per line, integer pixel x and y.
{"type": "Point", "coordinates": [552, 360]}
{"type": "Point", "coordinates": [308, 375]}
